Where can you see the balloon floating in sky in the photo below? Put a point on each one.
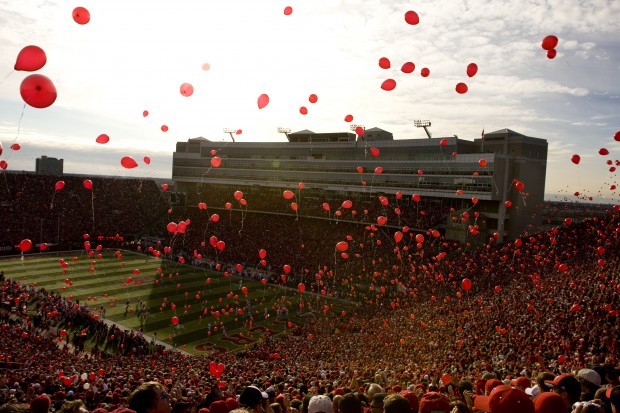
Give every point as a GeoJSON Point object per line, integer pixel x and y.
{"type": "Point", "coordinates": [206, 67]}
{"type": "Point", "coordinates": [16, 146]}
{"type": "Point", "coordinates": [25, 245]}
{"type": "Point", "coordinates": [147, 160]}
{"type": "Point", "coordinates": [288, 10]}
{"type": "Point", "coordinates": [348, 118]}
{"type": "Point", "coordinates": [575, 159]}
{"type": "Point", "coordinates": [384, 63]}
{"type": "Point", "coordinates": [375, 152]}
{"type": "Point", "coordinates": [263, 100]}
{"type": "Point", "coordinates": [425, 72]}
{"type": "Point", "coordinates": [30, 58]}
{"type": "Point", "coordinates": [102, 139]}
{"type": "Point", "coordinates": [145, 113]}
{"type": "Point", "coordinates": [472, 69]}
{"type": "Point", "coordinates": [88, 184]}
{"type": "Point", "coordinates": [3, 165]}
{"type": "Point", "coordinates": [164, 128]}
{"type": "Point", "coordinates": [128, 162]}
{"type": "Point", "coordinates": [313, 98]}
{"type": "Point", "coordinates": [407, 67]}
{"type": "Point", "coordinates": [187, 89]}
{"type": "Point", "coordinates": [360, 131]}
{"type": "Point", "coordinates": [616, 138]}
{"type": "Point", "coordinates": [388, 85]}
{"type": "Point", "coordinates": [303, 110]}
{"type": "Point", "coordinates": [412, 17]}
{"type": "Point", "coordinates": [38, 91]}
{"type": "Point", "coordinates": [603, 151]}
{"type": "Point", "coordinates": [549, 42]}
{"type": "Point", "coordinates": [551, 54]}
{"type": "Point", "coordinates": [461, 88]}
{"type": "Point", "coordinates": [81, 15]}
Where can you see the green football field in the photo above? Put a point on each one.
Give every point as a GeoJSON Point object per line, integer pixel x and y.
{"type": "Point", "coordinates": [162, 285]}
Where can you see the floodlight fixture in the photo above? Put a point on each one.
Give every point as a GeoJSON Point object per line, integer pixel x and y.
{"type": "Point", "coordinates": [423, 124]}
{"type": "Point", "coordinates": [230, 132]}
{"type": "Point", "coordinates": [285, 131]}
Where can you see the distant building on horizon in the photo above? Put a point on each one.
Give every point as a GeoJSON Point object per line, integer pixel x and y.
{"type": "Point", "coordinates": [446, 172]}
{"type": "Point", "coordinates": [49, 166]}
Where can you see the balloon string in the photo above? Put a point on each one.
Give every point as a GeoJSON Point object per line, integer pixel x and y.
{"type": "Point", "coordinates": [92, 200]}
{"type": "Point", "coordinates": [6, 77]}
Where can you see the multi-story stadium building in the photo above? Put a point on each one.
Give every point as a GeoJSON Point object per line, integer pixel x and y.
{"type": "Point", "coordinates": [448, 173]}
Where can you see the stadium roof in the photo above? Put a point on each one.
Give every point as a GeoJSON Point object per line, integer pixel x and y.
{"type": "Point", "coordinates": [504, 131]}
{"type": "Point", "coordinates": [305, 131]}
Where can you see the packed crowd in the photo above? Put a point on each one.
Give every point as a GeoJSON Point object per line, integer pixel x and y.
{"type": "Point", "coordinates": [539, 317]}
{"type": "Point", "coordinates": [60, 209]}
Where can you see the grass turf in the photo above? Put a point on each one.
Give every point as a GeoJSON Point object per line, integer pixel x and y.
{"type": "Point", "coordinates": [110, 281]}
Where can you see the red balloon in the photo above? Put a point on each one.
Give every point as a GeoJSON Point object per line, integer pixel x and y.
{"type": "Point", "coordinates": [244, 290]}
{"type": "Point", "coordinates": [81, 15]}
{"type": "Point", "coordinates": [384, 63]}
{"type": "Point", "coordinates": [103, 138]}
{"type": "Point", "coordinates": [375, 152]}
{"type": "Point", "coordinates": [25, 245]}
{"type": "Point", "coordinates": [216, 161]}
{"type": "Point", "coordinates": [262, 254]}
{"type": "Point", "coordinates": [3, 165]}
{"type": "Point", "coordinates": [313, 98]}
{"type": "Point", "coordinates": [549, 42]}
{"type": "Point", "coordinates": [408, 67]}
{"type": "Point", "coordinates": [147, 160]}
{"type": "Point", "coordinates": [263, 100]}
{"type": "Point", "coordinates": [288, 10]}
{"type": "Point", "coordinates": [551, 54]}
{"type": "Point", "coordinates": [16, 146]}
{"type": "Point", "coordinates": [342, 246]}
{"type": "Point", "coordinates": [286, 268]}
{"type": "Point", "coordinates": [388, 85]}
{"type": "Point", "coordinates": [360, 131]}
{"type": "Point", "coordinates": [461, 88]}
{"type": "Point", "coordinates": [38, 91]}
{"type": "Point", "coordinates": [145, 113]}
{"type": "Point", "coordinates": [30, 59]}
{"type": "Point", "coordinates": [398, 236]}
{"type": "Point", "coordinates": [187, 89]}
{"type": "Point", "coordinates": [603, 151]}
{"type": "Point", "coordinates": [412, 17]}
{"type": "Point", "coordinates": [520, 186]}
{"type": "Point", "coordinates": [128, 162]}
{"type": "Point", "coordinates": [288, 194]}
{"type": "Point", "coordinates": [348, 118]}
{"type": "Point", "coordinates": [472, 69]}
{"type": "Point", "coordinates": [616, 138]}
{"type": "Point", "coordinates": [575, 159]}
{"type": "Point", "coordinates": [425, 72]}
{"type": "Point", "coordinates": [303, 110]}
{"type": "Point", "coordinates": [0, 148]}
{"type": "Point", "coordinates": [466, 284]}
{"type": "Point", "coordinates": [175, 320]}
{"type": "Point", "coordinates": [59, 185]}
{"type": "Point", "coordinates": [88, 184]}
{"type": "Point", "coordinates": [443, 142]}
{"type": "Point", "coordinates": [301, 287]}
{"type": "Point", "coordinates": [347, 204]}
{"type": "Point", "coordinates": [164, 128]}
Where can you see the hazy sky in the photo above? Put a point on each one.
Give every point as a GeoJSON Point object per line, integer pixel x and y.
{"type": "Point", "coordinates": [134, 55]}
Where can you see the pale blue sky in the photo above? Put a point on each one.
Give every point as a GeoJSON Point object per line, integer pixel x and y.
{"type": "Point", "coordinates": [135, 55]}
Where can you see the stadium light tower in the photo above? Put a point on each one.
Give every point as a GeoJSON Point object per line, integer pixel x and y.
{"type": "Point", "coordinates": [230, 132]}
{"type": "Point", "coordinates": [285, 131]}
{"type": "Point", "coordinates": [354, 129]}
{"type": "Point", "coordinates": [423, 124]}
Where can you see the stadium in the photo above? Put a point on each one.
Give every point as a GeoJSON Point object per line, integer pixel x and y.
{"type": "Point", "coordinates": [396, 280]}
{"type": "Point", "coordinates": [152, 261]}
